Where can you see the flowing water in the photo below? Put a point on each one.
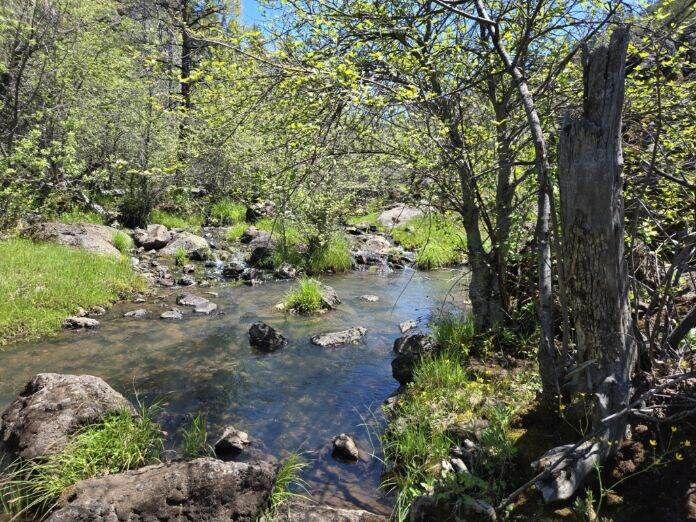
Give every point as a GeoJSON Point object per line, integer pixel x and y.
{"type": "Point", "coordinates": [296, 399]}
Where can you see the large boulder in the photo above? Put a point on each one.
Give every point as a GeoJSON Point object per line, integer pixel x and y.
{"type": "Point", "coordinates": [203, 489]}
{"type": "Point", "coordinates": [398, 215]}
{"type": "Point", "coordinates": [409, 350]}
{"type": "Point", "coordinates": [86, 236]}
{"type": "Point", "coordinates": [350, 336]}
{"type": "Point", "coordinates": [152, 238]}
{"type": "Point", "coordinates": [52, 407]}
{"type": "Point", "coordinates": [307, 512]}
{"type": "Point", "coordinates": [196, 247]}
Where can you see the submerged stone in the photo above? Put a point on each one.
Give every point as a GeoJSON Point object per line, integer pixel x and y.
{"type": "Point", "coordinates": [266, 338]}
{"type": "Point", "coordinates": [350, 336]}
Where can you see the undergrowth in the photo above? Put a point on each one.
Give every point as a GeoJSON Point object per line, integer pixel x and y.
{"type": "Point", "coordinates": [194, 437]}
{"type": "Point", "coordinates": [43, 283]}
{"type": "Point", "coordinates": [226, 212]}
{"type": "Point", "coordinates": [170, 220]}
{"type": "Point", "coordinates": [438, 240]}
{"type": "Point", "coordinates": [287, 477]}
{"type": "Point", "coordinates": [80, 216]}
{"type": "Point", "coordinates": [333, 256]}
{"type": "Point", "coordinates": [120, 442]}
{"type": "Point", "coordinates": [305, 298]}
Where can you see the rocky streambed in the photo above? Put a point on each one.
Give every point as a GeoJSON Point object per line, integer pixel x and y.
{"type": "Point", "coordinates": [300, 397]}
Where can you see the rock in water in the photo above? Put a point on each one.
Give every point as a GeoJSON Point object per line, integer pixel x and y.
{"type": "Point", "coordinates": [153, 238]}
{"type": "Point", "coordinates": [369, 298]}
{"type": "Point", "coordinates": [207, 308]}
{"type": "Point", "coordinates": [196, 247]}
{"type": "Point", "coordinates": [191, 300]}
{"type": "Point", "coordinates": [350, 336]}
{"type": "Point", "coordinates": [407, 325]}
{"type": "Point", "coordinates": [307, 512]}
{"type": "Point", "coordinates": [52, 407]}
{"type": "Point", "coordinates": [78, 323]}
{"type": "Point", "coordinates": [344, 448]}
{"type": "Point", "coordinates": [329, 297]}
{"type": "Point", "coordinates": [231, 443]}
{"type": "Point", "coordinates": [409, 350]}
{"type": "Point", "coordinates": [137, 314]}
{"type": "Point", "coordinates": [204, 490]}
{"type": "Point", "coordinates": [173, 314]}
{"type": "Point", "coordinates": [266, 338]}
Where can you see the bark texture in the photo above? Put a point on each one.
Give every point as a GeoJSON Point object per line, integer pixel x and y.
{"type": "Point", "coordinates": [591, 194]}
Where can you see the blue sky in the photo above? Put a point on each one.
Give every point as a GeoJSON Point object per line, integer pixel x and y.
{"type": "Point", "coordinates": [251, 12]}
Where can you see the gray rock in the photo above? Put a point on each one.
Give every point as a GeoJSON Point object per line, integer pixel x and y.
{"type": "Point", "coordinates": [458, 465]}
{"type": "Point", "coordinates": [307, 512]}
{"type": "Point", "coordinates": [86, 236]}
{"type": "Point", "coordinates": [186, 280]}
{"type": "Point", "coordinates": [152, 238]}
{"type": "Point", "coordinates": [260, 255]}
{"type": "Point", "coordinates": [256, 211]}
{"type": "Point", "coordinates": [266, 338]}
{"type": "Point", "coordinates": [196, 247]}
{"type": "Point", "coordinates": [407, 325]}
{"type": "Point", "coordinates": [136, 314]}
{"type": "Point", "coordinates": [398, 215]}
{"type": "Point", "coordinates": [329, 297]}
{"type": "Point", "coordinates": [191, 300]}
{"type": "Point", "coordinates": [203, 489]}
{"type": "Point", "coordinates": [369, 298]}
{"type": "Point", "coordinates": [410, 349]}
{"type": "Point", "coordinates": [51, 408]}
{"type": "Point", "coordinates": [173, 314]}
{"type": "Point", "coordinates": [378, 245]}
{"type": "Point", "coordinates": [286, 271]}
{"type": "Point", "coordinates": [344, 448]}
{"type": "Point", "coordinates": [97, 311]}
{"type": "Point", "coordinates": [207, 308]}
{"type": "Point", "coordinates": [79, 323]}
{"type": "Point", "coordinates": [234, 269]}
{"type": "Point", "coordinates": [350, 336]}
{"type": "Point", "coordinates": [231, 443]}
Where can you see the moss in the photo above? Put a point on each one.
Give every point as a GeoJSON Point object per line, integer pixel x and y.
{"type": "Point", "coordinates": [437, 240]}
{"type": "Point", "coordinates": [43, 283]}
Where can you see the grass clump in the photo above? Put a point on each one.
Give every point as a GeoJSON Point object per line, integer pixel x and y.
{"type": "Point", "coordinates": [454, 332]}
{"type": "Point", "coordinates": [369, 218]}
{"type": "Point", "coordinates": [42, 283]}
{"type": "Point", "coordinates": [333, 256]}
{"type": "Point", "coordinates": [123, 242]}
{"type": "Point", "coordinates": [235, 231]}
{"type": "Point", "coordinates": [305, 298]}
{"type": "Point", "coordinates": [195, 438]}
{"type": "Point", "coordinates": [226, 212]}
{"type": "Point", "coordinates": [445, 395]}
{"type": "Point", "coordinates": [288, 476]}
{"type": "Point", "coordinates": [186, 222]}
{"type": "Point", "coordinates": [80, 216]}
{"type": "Point", "coordinates": [120, 442]}
{"type": "Point", "coordinates": [180, 256]}
{"type": "Point", "coordinates": [437, 240]}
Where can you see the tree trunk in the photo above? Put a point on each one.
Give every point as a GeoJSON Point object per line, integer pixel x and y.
{"type": "Point", "coordinates": [591, 193]}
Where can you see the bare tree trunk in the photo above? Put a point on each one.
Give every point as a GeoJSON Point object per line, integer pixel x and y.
{"type": "Point", "coordinates": [591, 189]}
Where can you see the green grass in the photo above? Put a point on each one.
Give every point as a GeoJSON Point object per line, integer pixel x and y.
{"type": "Point", "coordinates": [235, 231]}
{"type": "Point", "coordinates": [187, 222]}
{"type": "Point", "coordinates": [80, 216]}
{"type": "Point", "coordinates": [453, 332]}
{"type": "Point", "coordinates": [437, 240]}
{"type": "Point", "coordinates": [305, 298]}
{"type": "Point", "coordinates": [195, 438]}
{"type": "Point", "coordinates": [120, 442]}
{"type": "Point", "coordinates": [226, 212]}
{"type": "Point", "coordinates": [370, 218]}
{"type": "Point", "coordinates": [123, 242]}
{"type": "Point", "coordinates": [288, 476]}
{"type": "Point", "coordinates": [43, 283]}
{"type": "Point", "coordinates": [180, 256]}
{"type": "Point", "coordinates": [444, 393]}
{"type": "Point", "coordinates": [334, 256]}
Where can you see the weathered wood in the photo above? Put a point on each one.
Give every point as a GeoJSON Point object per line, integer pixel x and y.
{"type": "Point", "coordinates": [590, 165]}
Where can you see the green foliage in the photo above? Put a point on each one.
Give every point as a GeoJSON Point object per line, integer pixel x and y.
{"type": "Point", "coordinates": [123, 242]}
{"type": "Point", "coordinates": [226, 212]}
{"type": "Point", "coordinates": [43, 283]}
{"type": "Point", "coordinates": [370, 219]}
{"type": "Point", "coordinates": [120, 442]}
{"type": "Point", "coordinates": [305, 298]}
{"type": "Point", "coordinates": [288, 476]}
{"type": "Point", "coordinates": [180, 256]}
{"type": "Point", "coordinates": [235, 231]}
{"type": "Point", "coordinates": [333, 255]}
{"type": "Point", "coordinates": [195, 438]}
{"type": "Point", "coordinates": [80, 216]}
{"type": "Point", "coordinates": [438, 240]}
{"type": "Point", "coordinates": [185, 222]}
{"type": "Point", "coordinates": [454, 332]}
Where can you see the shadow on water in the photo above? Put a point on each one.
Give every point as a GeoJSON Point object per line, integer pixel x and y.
{"type": "Point", "coordinates": [296, 399]}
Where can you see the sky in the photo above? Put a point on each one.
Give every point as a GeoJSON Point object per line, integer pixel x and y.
{"type": "Point", "coordinates": [251, 12]}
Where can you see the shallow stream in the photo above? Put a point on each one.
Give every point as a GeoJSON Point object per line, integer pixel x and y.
{"type": "Point", "coordinates": [297, 399]}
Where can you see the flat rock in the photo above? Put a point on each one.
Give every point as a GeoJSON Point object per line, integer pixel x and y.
{"type": "Point", "coordinates": [376, 244]}
{"type": "Point", "coordinates": [52, 407]}
{"type": "Point", "coordinates": [398, 215]}
{"type": "Point", "coordinates": [196, 247]}
{"type": "Point", "coordinates": [78, 323]}
{"type": "Point", "coordinates": [369, 298]}
{"type": "Point", "coordinates": [266, 338]}
{"type": "Point", "coordinates": [191, 300]}
{"type": "Point", "coordinates": [203, 490]}
{"type": "Point", "coordinates": [307, 512]}
{"type": "Point", "coordinates": [350, 336]}
{"type": "Point", "coordinates": [136, 314]}
{"type": "Point", "coordinates": [171, 314]}
{"type": "Point", "coordinates": [86, 236]}
{"type": "Point", "coordinates": [207, 308]}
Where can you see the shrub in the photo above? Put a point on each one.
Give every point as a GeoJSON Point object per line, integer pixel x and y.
{"type": "Point", "coordinates": [334, 255]}
{"type": "Point", "coordinates": [226, 212]}
{"type": "Point", "coordinates": [120, 442]}
{"type": "Point", "coordinates": [195, 438]}
{"type": "Point", "coordinates": [180, 257]}
{"type": "Point", "coordinates": [306, 298]}
{"type": "Point", "coordinates": [123, 242]}
{"type": "Point", "coordinates": [437, 240]}
{"type": "Point", "coordinates": [42, 283]}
